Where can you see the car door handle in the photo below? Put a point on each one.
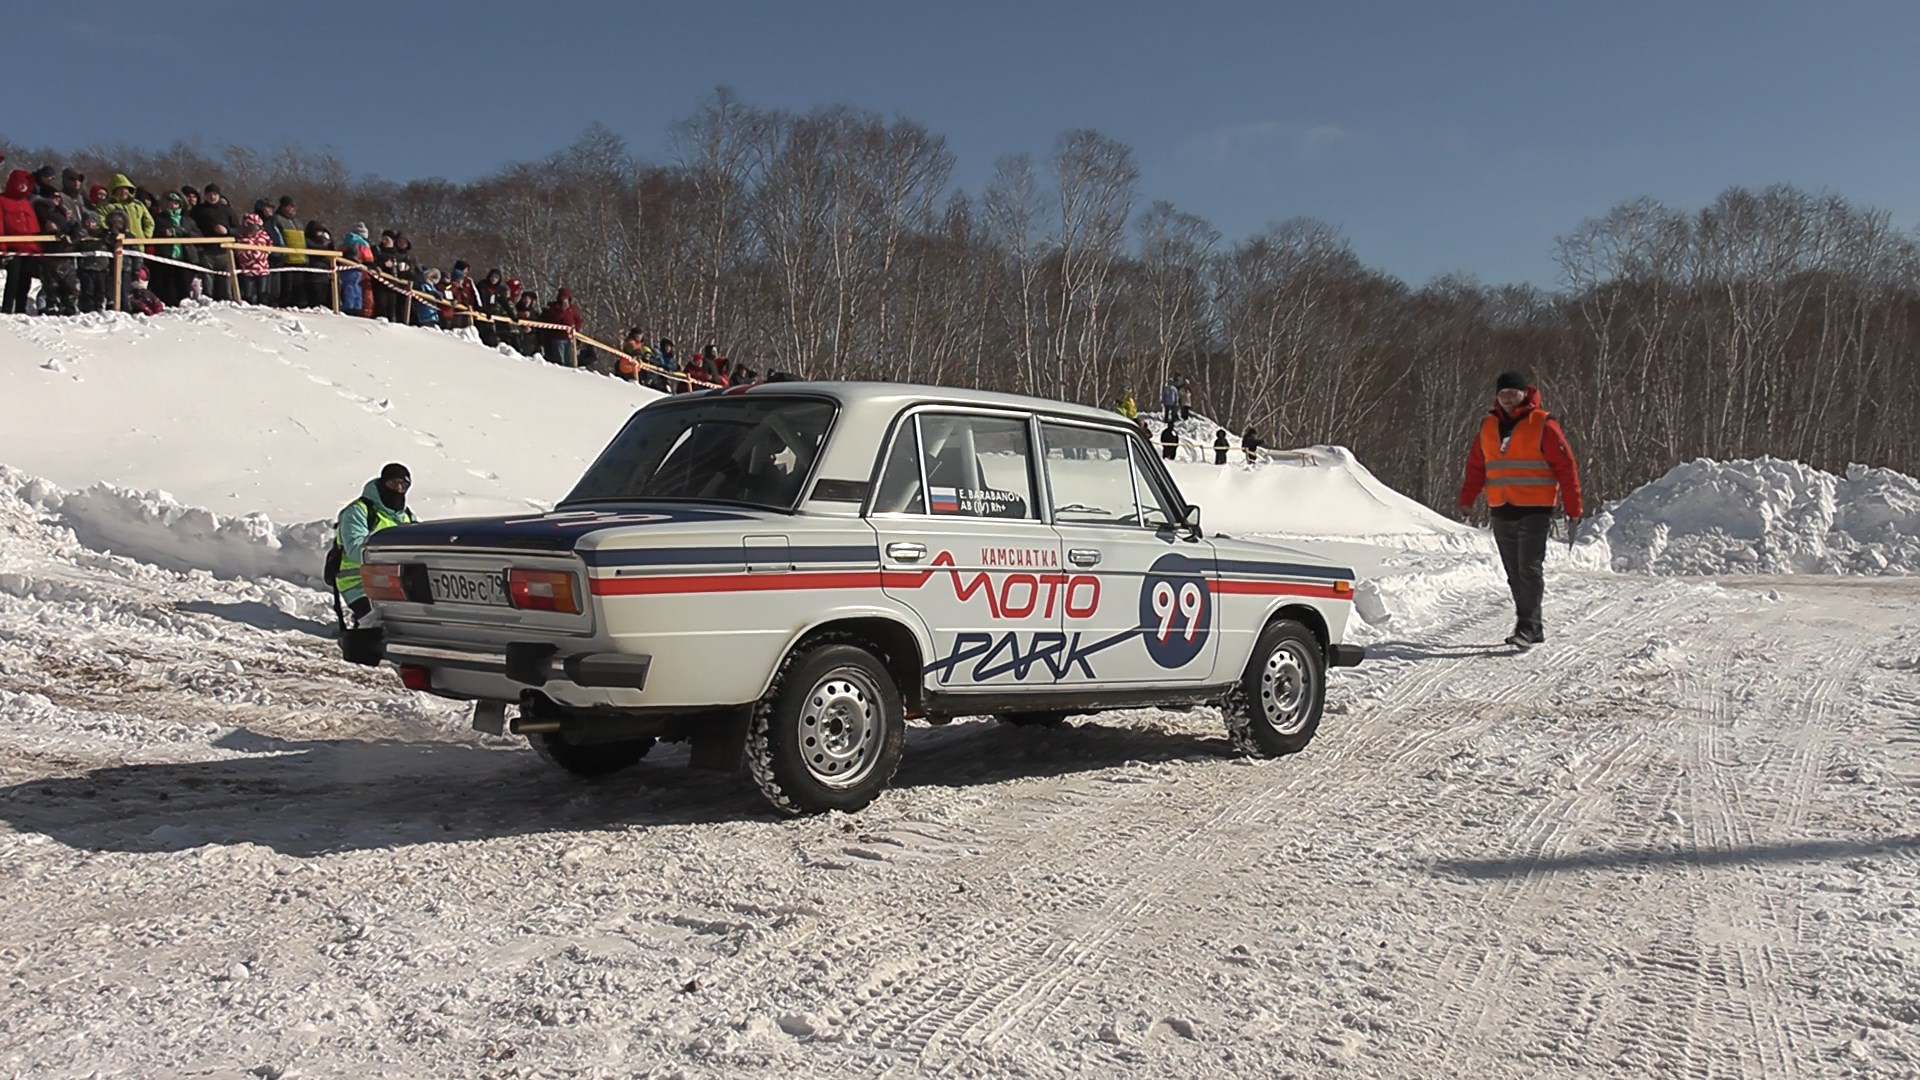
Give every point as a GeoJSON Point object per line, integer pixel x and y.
{"type": "Point", "coordinates": [1083, 556]}
{"type": "Point", "coordinates": [907, 552]}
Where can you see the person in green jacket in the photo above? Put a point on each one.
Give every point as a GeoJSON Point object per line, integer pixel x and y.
{"type": "Point", "coordinates": [382, 505]}
{"type": "Point", "coordinates": [120, 197]}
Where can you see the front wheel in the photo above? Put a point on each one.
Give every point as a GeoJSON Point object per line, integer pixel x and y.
{"type": "Point", "coordinates": [589, 759]}
{"type": "Point", "coordinates": [1276, 708]}
{"type": "Point", "coordinates": [829, 733]}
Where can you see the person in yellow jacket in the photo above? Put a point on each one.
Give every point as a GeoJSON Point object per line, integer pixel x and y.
{"type": "Point", "coordinates": [1127, 407]}
{"type": "Point", "coordinates": [381, 505]}
{"type": "Point", "coordinates": [120, 197]}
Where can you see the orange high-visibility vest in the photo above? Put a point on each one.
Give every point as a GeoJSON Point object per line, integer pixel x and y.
{"type": "Point", "coordinates": [1518, 475]}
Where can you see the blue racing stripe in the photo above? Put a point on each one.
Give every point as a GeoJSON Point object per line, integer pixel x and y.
{"type": "Point", "coordinates": [1291, 570]}
{"type": "Point", "coordinates": [731, 556]}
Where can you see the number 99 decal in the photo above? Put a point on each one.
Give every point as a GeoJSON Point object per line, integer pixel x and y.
{"type": "Point", "coordinates": [1176, 611]}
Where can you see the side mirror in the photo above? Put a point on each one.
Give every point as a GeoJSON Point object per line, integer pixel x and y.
{"type": "Point", "coordinates": [1191, 522]}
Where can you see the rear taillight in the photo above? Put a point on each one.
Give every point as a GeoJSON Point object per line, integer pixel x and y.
{"type": "Point", "coordinates": [415, 677]}
{"type": "Point", "coordinates": [382, 581]}
{"type": "Point", "coordinates": [543, 590]}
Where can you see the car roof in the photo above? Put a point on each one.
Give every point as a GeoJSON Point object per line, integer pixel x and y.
{"type": "Point", "coordinates": [883, 395]}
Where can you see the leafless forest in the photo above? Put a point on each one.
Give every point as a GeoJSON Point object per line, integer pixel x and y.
{"type": "Point", "coordinates": [835, 244]}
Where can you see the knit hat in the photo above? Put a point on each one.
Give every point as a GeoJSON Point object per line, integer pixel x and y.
{"type": "Point", "coordinates": [139, 273]}
{"type": "Point", "coordinates": [393, 470]}
{"type": "Point", "coordinates": [45, 174]}
{"type": "Point", "coordinates": [1511, 380]}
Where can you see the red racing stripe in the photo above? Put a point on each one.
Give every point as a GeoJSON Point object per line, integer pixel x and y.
{"type": "Point", "coordinates": [1278, 588]}
{"type": "Point", "coordinates": [665, 584]}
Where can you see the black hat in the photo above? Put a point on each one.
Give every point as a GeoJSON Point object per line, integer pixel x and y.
{"type": "Point", "coordinates": [1511, 380]}
{"type": "Point", "coordinates": [395, 471]}
{"type": "Point", "coordinates": [45, 173]}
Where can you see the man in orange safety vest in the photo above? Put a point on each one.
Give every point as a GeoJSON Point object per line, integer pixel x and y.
{"type": "Point", "coordinates": [1521, 459]}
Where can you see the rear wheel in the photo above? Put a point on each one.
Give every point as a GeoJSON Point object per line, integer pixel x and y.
{"type": "Point", "coordinates": [589, 759]}
{"type": "Point", "coordinates": [830, 732]}
{"type": "Point", "coordinates": [1276, 708]}
{"type": "Point", "coordinates": [1033, 719]}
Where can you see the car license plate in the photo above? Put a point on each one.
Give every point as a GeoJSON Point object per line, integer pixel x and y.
{"type": "Point", "coordinates": [467, 587]}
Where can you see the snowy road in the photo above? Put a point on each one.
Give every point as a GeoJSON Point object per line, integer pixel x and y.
{"type": "Point", "coordinates": [1681, 839]}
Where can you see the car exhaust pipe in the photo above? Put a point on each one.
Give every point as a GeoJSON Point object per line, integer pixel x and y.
{"type": "Point", "coordinates": [524, 725]}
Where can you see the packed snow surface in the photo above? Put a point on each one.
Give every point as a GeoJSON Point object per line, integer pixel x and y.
{"type": "Point", "coordinates": [1677, 840]}
{"type": "Point", "coordinates": [1767, 516]}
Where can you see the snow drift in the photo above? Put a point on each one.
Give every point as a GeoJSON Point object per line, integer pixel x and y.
{"type": "Point", "coordinates": [1319, 492]}
{"type": "Point", "coordinates": [1767, 516]}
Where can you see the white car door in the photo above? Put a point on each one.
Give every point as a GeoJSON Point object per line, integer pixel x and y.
{"type": "Point", "coordinates": [1139, 610]}
{"type": "Point", "coordinates": [962, 544]}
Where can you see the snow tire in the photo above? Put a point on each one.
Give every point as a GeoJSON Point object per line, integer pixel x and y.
{"type": "Point", "coordinates": [1276, 707]}
{"type": "Point", "coordinates": [830, 731]}
{"type": "Point", "coordinates": [589, 759]}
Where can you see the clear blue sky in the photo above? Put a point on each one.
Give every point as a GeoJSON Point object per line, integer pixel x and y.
{"type": "Point", "coordinates": [1438, 136]}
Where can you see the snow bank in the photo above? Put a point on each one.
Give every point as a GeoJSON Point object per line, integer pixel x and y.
{"type": "Point", "coordinates": [1767, 516]}
{"type": "Point", "coordinates": [244, 410]}
{"type": "Point", "coordinates": [1321, 491]}
{"type": "Point", "coordinates": [152, 527]}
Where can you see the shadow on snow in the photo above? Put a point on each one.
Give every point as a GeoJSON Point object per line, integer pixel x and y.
{"type": "Point", "coordinates": [305, 798]}
{"type": "Point", "coordinates": [1629, 858]}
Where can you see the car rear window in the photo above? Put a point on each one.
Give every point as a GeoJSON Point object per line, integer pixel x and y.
{"type": "Point", "coordinates": [756, 450]}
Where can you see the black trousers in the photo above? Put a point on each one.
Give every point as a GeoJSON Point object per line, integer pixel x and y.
{"type": "Point", "coordinates": [1522, 541]}
{"type": "Point", "coordinates": [22, 270]}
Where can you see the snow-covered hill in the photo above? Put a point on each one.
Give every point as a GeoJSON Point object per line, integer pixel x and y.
{"type": "Point", "coordinates": [255, 411]}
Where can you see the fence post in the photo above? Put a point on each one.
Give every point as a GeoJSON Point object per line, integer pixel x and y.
{"type": "Point", "coordinates": [573, 348]}
{"type": "Point", "coordinates": [406, 316]}
{"type": "Point", "coordinates": [233, 272]}
{"type": "Point", "coordinates": [333, 275]}
{"type": "Point", "coordinates": [118, 275]}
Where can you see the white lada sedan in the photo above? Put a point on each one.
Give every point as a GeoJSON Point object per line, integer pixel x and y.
{"type": "Point", "coordinates": [791, 571]}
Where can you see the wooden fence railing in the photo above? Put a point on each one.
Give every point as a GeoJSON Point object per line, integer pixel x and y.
{"type": "Point", "coordinates": [335, 264]}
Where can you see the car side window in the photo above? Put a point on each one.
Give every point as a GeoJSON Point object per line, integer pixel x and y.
{"type": "Point", "coordinates": [977, 466]}
{"type": "Point", "coordinates": [1158, 510]}
{"type": "Point", "coordinates": [900, 487]}
{"type": "Point", "coordinates": [1089, 475]}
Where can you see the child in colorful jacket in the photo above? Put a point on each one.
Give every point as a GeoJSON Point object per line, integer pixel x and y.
{"type": "Point", "coordinates": [253, 265]}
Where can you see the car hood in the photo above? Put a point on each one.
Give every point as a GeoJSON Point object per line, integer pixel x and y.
{"type": "Point", "coordinates": [1279, 557]}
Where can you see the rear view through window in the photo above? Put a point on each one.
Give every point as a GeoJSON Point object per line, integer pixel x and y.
{"type": "Point", "coordinates": [754, 450]}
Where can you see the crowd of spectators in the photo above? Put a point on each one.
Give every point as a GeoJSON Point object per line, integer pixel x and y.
{"type": "Point", "coordinates": [380, 278]}
{"type": "Point", "coordinates": [1176, 407]}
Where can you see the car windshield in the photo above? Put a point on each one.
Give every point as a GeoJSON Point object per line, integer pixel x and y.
{"type": "Point", "coordinates": [754, 449]}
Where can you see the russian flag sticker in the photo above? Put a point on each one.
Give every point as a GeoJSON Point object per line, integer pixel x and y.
{"type": "Point", "coordinates": [946, 500]}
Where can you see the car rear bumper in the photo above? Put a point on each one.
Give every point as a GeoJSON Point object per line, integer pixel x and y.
{"type": "Point", "coordinates": [1345, 655]}
{"type": "Point", "coordinates": [530, 664]}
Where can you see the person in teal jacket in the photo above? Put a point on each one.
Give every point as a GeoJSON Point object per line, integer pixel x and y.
{"type": "Point", "coordinates": [381, 505]}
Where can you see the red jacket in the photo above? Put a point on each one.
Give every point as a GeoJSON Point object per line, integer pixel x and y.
{"type": "Point", "coordinates": [1553, 447]}
{"type": "Point", "coordinates": [16, 213]}
{"type": "Point", "coordinates": [562, 311]}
